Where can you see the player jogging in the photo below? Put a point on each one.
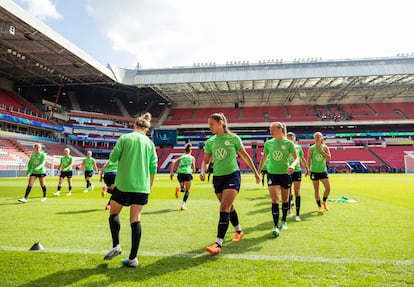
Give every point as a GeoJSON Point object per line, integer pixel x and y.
{"type": "Point", "coordinates": [36, 169]}
{"type": "Point", "coordinates": [223, 148]}
{"type": "Point", "coordinates": [89, 166]}
{"type": "Point", "coordinates": [65, 169]}
{"type": "Point", "coordinates": [186, 166]}
{"type": "Point", "coordinates": [318, 154]}
{"type": "Point", "coordinates": [277, 150]}
{"type": "Point", "coordinates": [297, 174]}
{"type": "Point", "coordinates": [108, 175]}
{"type": "Point", "coordinates": [137, 166]}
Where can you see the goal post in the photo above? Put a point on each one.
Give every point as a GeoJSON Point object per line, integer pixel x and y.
{"type": "Point", "coordinates": [409, 163]}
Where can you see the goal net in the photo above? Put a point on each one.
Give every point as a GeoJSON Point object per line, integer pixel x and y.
{"type": "Point", "coordinates": [409, 163]}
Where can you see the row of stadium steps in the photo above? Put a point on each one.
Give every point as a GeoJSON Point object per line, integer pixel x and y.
{"type": "Point", "coordinates": [24, 148]}
{"type": "Point", "coordinates": [393, 156]}
{"type": "Point", "coordinates": [296, 113]}
{"type": "Point", "coordinates": [11, 156]}
{"type": "Point", "coordinates": [14, 105]}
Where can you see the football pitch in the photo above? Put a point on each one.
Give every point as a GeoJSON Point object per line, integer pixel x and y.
{"type": "Point", "coordinates": [366, 243]}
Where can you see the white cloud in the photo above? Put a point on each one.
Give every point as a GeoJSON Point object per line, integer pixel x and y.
{"type": "Point", "coordinates": [165, 33]}
{"type": "Point", "coordinates": [42, 9]}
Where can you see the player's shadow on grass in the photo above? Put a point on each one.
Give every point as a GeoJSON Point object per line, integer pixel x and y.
{"type": "Point", "coordinates": [110, 276]}
{"type": "Point", "coordinates": [249, 243]}
{"type": "Point", "coordinates": [160, 211]}
{"type": "Point", "coordinates": [79, 211]}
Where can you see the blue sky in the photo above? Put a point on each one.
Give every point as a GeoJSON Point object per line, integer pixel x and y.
{"type": "Point", "coordinates": [167, 33]}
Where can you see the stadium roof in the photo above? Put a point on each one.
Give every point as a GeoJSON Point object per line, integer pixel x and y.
{"type": "Point", "coordinates": [310, 81]}
{"type": "Point", "coordinates": [32, 54]}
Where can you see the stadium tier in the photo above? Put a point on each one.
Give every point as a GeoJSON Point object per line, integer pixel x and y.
{"type": "Point", "coordinates": [296, 113]}
{"type": "Point", "coordinates": [364, 107]}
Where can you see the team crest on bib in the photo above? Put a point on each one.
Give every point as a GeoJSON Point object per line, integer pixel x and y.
{"type": "Point", "coordinates": [226, 143]}
{"type": "Point", "coordinates": [277, 155]}
{"type": "Point", "coordinates": [319, 157]}
{"type": "Point", "coordinates": [220, 153]}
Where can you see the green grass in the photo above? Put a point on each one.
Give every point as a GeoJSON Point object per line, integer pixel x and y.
{"type": "Point", "coordinates": [368, 243]}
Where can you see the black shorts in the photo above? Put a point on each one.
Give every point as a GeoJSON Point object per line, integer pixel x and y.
{"type": "Point", "coordinates": [38, 175]}
{"type": "Point", "coordinates": [88, 173]}
{"type": "Point", "coordinates": [67, 174]}
{"type": "Point", "coordinates": [230, 181]}
{"type": "Point", "coordinates": [109, 178]}
{"type": "Point", "coordinates": [264, 171]}
{"type": "Point", "coordinates": [284, 180]}
{"type": "Point", "coordinates": [127, 198]}
{"type": "Point", "coordinates": [318, 175]}
{"type": "Point", "coordinates": [184, 177]}
{"type": "Point", "coordinates": [296, 176]}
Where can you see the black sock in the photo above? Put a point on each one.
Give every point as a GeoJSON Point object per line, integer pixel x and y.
{"type": "Point", "coordinates": [88, 183]}
{"type": "Point", "coordinates": [186, 195]}
{"type": "Point", "coordinates": [44, 190]}
{"type": "Point", "coordinates": [297, 202]}
{"type": "Point", "coordinates": [223, 224]}
{"type": "Point", "coordinates": [70, 188]}
{"type": "Point", "coordinates": [136, 232]}
{"type": "Point", "coordinates": [325, 199]}
{"type": "Point", "coordinates": [275, 213]}
{"type": "Point", "coordinates": [234, 218]}
{"type": "Point", "coordinates": [28, 189]}
{"type": "Point", "coordinates": [285, 208]}
{"type": "Point", "coordinates": [318, 202]}
{"type": "Point", "coordinates": [115, 226]}
{"type": "Point", "coordinates": [59, 187]}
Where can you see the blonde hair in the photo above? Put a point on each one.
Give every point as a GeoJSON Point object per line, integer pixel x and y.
{"type": "Point", "coordinates": [221, 117]}
{"type": "Point", "coordinates": [319, 133]}
{"type": "Point", "coordinates": [282, 126]}
{"type": "Point", "coordinates": [144, 121]}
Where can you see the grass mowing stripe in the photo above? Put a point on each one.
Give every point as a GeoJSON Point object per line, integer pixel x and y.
{"type": "Point", "coordinates": [368, 243]}
{"type": "Point", "coordinates": [232, 256]}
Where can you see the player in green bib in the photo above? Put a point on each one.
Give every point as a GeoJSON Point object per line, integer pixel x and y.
{"type": "Point", "coordinates": [89, 166]}
{"type": "Point", "coordinates": [186, 167]}
{"type": "Point", "coordinates": [297, 175]}
{"type": "Point", "coordinates": [223, 148]}
{"type": "Point", "coordinates": [137, 166]}
{"type": "Point", "coordinates": [36, 169]}
{"type": "Point", "coordinates": [108, 175]}
{"type": "Point", "coordinates": [318, 154]}
{"type": "Point", "coordinates": [276, 155]}
{"type": "Point", "coordinates": [65, 168]}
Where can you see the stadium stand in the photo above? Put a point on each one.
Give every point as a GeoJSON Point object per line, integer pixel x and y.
{"type": "Point", "coordinates": [296, 113]}
{"type": "Point", "coordinates": [14, 105]}
{"type": "Point", "coordinates": [393, 156]}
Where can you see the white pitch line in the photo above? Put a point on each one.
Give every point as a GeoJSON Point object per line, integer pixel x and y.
{"type": "Point", "coordinates": [231, 256]}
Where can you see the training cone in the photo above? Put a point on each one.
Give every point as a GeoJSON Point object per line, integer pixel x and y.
{"type": "Point", "coordinates": [37, 246]}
